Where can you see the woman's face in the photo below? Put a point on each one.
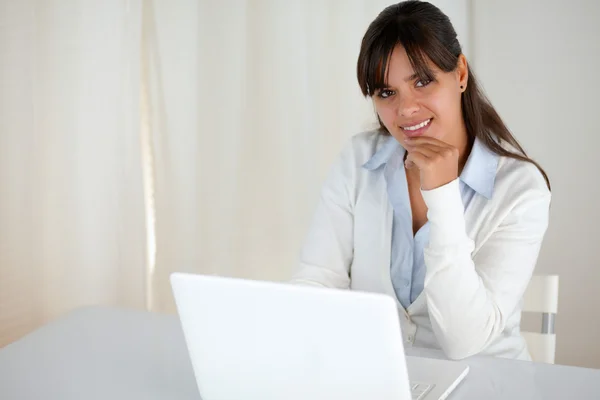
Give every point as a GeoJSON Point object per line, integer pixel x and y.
{"type": "Point", "coordinates": [410, 108]}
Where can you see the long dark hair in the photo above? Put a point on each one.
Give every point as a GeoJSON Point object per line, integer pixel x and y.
{"type": "Point", "coordinates": [425, 32]}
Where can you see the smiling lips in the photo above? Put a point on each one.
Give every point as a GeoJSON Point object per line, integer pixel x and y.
{"type": "Point", "coordinates": [416, 129]}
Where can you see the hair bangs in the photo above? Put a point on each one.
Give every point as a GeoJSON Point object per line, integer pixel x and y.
{"type": "Point", "coordinates": [374, 59]}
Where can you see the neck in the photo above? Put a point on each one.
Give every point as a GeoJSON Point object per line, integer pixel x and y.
{"type": "Point", "coordinates": [463, 144]}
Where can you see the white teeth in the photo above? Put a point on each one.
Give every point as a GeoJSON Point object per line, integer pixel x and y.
{"type": "Point", "coordinates": [419, 126]}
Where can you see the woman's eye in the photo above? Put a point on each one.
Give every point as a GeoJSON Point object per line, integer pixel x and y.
{"type": "Point", "coordinates": [422, 83]}
{"type": "Point", "coordinates": [385, 93]}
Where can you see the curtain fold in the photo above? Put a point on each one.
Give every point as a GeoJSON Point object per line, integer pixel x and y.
{"type": "Point", "coordinates": [72, 223]}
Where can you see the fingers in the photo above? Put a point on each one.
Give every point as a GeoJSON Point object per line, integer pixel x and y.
{"type": "Point", "coordinates": [437, 161]}
{"type": "Point", "coordinates": [431, 149]}
{"type": "Point", "coordinates": [425, 152]}
{"type": "Point", "coordinates": [416, 160]}
{"type": "Point", "coordinates": [422, 140]}
{"type": "Point", "coordinates": [418, 156]}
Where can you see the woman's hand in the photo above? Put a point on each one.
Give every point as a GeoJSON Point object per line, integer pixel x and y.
{"type": "Point", "coordinates": [437, 161]}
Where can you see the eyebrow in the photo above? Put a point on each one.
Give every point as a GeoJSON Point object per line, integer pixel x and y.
{"type": "Point", "coordinates": [407, 79]}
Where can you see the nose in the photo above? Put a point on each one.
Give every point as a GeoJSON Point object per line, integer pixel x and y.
{"type": "Point", "coordinates": [407, 105]}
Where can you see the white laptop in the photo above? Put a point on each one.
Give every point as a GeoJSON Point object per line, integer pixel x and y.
{"type": "Point", "coordinates": [253, 340]}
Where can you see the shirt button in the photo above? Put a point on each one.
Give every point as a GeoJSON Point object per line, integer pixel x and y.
{"type": "Point", "coordinates": [405, 282]}
{"type": "Point", "coordinates": [410, 338]}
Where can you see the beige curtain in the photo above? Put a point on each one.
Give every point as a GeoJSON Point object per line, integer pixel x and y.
{"type": "Point", "coordinates": [72, 224]}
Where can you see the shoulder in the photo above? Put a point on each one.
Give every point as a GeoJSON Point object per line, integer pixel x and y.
{"type": "Point", "coordinates": [519, 182]}
{"type": "Point", "coordinates": [362, 146]}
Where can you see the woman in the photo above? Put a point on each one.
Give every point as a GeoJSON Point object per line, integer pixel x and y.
{"type": "Point", "coordinates": [440, 207]}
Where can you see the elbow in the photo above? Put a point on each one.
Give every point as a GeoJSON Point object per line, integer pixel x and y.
{"type": "Point", "coordinates": [306, 282]}
{"type": "Point", "coordinates": [319, 276]}
{"type": "Point", "coordinates": [467, 341]}
{"type": "Point", "coordinates": [460, 351]}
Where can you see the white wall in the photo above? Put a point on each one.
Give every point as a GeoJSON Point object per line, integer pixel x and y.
{"type": "Point", "coordinates": [538, 61]}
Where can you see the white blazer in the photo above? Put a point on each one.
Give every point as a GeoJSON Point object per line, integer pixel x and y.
{"type": "Point", "coordinates": [479, 260]}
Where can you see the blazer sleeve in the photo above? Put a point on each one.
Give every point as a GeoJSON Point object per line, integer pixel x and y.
{"type": "Point", "coordinates": [469, 299]}
{"type": "Point", "coordinates": [327, 253]}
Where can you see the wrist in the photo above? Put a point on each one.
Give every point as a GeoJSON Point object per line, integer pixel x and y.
{"type": "Point", "coordinates": [436, 182]}
{"type": "Point", "coordinates": [445, 212]}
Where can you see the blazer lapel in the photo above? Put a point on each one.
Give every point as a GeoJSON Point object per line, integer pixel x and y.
{"type": "Point", "coordinates": [383, 212]}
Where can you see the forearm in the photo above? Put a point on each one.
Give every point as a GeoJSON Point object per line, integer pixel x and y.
{"type": "Point", "coordinates": [470, 296]}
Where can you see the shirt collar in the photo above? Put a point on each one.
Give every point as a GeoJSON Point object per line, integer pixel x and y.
{"type": "Point", "coordinates": [383, 155]}
{"type": "Point", "coordinates": [479, 172]}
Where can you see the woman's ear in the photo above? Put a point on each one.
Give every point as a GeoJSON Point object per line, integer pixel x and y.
{"type": "Point", "coordinates": [462, 70]}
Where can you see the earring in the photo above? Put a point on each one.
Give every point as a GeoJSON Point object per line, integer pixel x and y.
{"type": "Point", "coordinates": [462, 87]}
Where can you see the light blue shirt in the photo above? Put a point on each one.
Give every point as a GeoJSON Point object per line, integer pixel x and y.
{"type": "Point", "coordinates": [407, 267]}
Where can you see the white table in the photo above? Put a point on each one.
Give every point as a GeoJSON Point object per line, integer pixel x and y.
{"type": "Point", "coordinates": [105, 353]}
